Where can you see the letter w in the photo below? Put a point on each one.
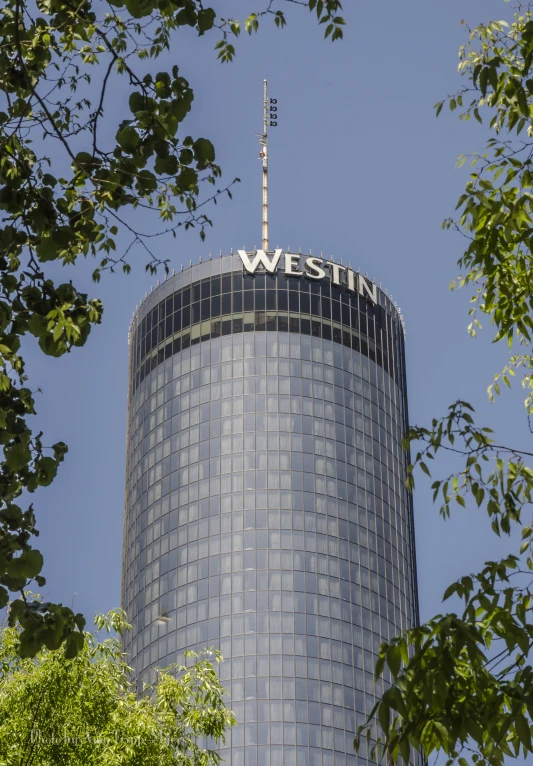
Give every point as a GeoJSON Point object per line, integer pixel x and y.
{"type": "Point", "coordinates": [260, 257]}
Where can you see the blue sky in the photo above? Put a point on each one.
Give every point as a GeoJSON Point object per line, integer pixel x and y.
{"type": "Point", "coordinates": [359, 169]}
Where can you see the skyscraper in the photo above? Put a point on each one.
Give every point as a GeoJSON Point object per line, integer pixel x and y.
{"type": "Point", "coordinates": [266, 508]}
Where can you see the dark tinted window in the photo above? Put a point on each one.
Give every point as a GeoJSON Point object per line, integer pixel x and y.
{"type": "Point", "coordinates": [271, 302]}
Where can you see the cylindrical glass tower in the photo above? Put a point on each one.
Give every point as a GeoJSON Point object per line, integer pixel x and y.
{"type": "Point", "coordinates": [266, 508]}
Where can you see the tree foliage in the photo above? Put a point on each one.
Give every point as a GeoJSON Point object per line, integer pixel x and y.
{"type": "Point", "coordinates": [82, 709]}
{"type": "Point", "coordinates": [463, 684]}
{"type": "Point", "coordinates": [71, 184]}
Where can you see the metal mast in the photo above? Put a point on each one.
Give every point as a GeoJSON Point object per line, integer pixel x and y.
{"type": "Point", "coordinates": [263, 140]}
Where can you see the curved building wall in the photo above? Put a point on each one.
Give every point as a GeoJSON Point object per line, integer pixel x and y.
{"type": "Point", "coordinates": [266, 509]}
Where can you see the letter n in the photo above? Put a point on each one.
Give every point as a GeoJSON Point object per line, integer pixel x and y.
{"type": "Point", "coordinates": [369, 289]}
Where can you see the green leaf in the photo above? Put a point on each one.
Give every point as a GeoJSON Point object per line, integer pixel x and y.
{"type": "Point", "coordinates": [394, 659]}
{"type": "Point", "coordinates": [29, 646]}
{"type": "Point", "coordinates": [380, 664]}
{"type": "Point", "coordinates": [166, 165]}
{"type": "Point", "coordinates": [47, 249]}
{"type": "Point", "coordinates": [17, 456]}
{"type": "Point", "coordinates": [204, 150]}
{"type": "Point", "coordinates": [74, 645]}
{"type": "Point", "coordinates": [206, 19]}
{"type": "Point", "coordinates": [186, 157]}
{"type": "Point", "coordinates": [137, 102]}
{"type": "Point", "coordinates": [47, 468]}
{"type": "Point", "coordinates": [384, 716]}
{"type": "Point", "coordinates": [128, 139]}
{"type": "Point", "coordinates": [26, 566]}
{"type": "Point", "coordinates": [450, 590]}
{"type": "Point", "coordinates": [139, 8]}
{"type": "Point", "coordinates": [85, 161]}
{"type": "Point", "coordinates": [522, 730]}
{"type": "Point", "coordinates": [186, 180]}
{"type": "Point", "coordinates": [146, 182]}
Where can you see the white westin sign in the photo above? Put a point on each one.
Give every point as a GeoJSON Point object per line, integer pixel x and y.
{"type": "Point", "coordinates": [313, 268]}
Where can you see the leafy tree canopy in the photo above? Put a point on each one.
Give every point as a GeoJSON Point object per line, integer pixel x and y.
{"type": "Point", "coordinates": [82, 709]}
{"type": "Point", "coordinates": [59, 61]}
{"type": "Point", "coordinates": [462, 684]}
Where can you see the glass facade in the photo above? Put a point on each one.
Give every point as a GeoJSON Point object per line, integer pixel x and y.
{"type": "Point", "coordinates": [266, 509]}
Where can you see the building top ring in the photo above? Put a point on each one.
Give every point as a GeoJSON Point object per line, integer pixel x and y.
{"type": "Point", "coordinates": [297, 265]}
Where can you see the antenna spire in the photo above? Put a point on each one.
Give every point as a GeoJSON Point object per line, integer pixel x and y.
{"type": "Point", "coordinates": [269, 118]}
{"type": "Point", "coordinates": [264, 154]}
